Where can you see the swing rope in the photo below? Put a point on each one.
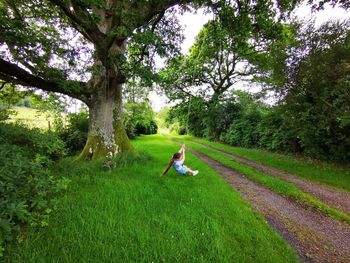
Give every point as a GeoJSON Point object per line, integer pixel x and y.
{"type": "Point", "coordinates": [189, 96]}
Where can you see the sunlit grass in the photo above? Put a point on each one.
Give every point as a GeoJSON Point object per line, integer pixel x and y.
{"type": "Point", "coordinates": [131, 214]}
{"type": "Point", "coordinates": [32, 118]}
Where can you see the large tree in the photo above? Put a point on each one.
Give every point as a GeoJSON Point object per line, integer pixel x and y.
{"type": "Point", "coordinates": [49, 44]}
{"type": "Point", "coordinates": [226, 52]}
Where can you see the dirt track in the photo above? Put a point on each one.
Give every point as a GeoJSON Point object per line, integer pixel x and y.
{"type": "Point", "coordinates": [333, 197]}
{"type": "Point", "coordinates": [315, 236]}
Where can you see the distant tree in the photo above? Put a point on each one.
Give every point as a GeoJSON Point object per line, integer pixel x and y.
{"type": "Point", "coordinates": [226, 52]}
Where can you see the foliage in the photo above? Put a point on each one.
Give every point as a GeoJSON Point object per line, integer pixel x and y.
{"type": "Point", "coordinates": [316, 91]}
{"type": "Point", "coordinates": [161, 117]}
{"type": "Point", "coordinates": [242, 131]}
{"type": "Point", "coordinates": [225, 52]}
{"type": "Point", "coordinates": [139, 119]}
{"type": "Point", "coordinates": [189, 116]}
{"type": "Point", "coordinates": [46, 146]}
{"type": "Point", "coordinates": [10, 95]}
{"type": "Point", "coordinates": [5, 112]}
{"type": "Point", "coordinates": [84, 49]}
{"type": "Point", "coordinates": [319, 5]}
{"type": "Point", "coordinates": [25, 102]}
{"type": "Point", "coordinates": [27, 190]}
{"type": "Point", "coordinates": [74, 134]}
{"type": "Point", "coordinates": [312, 116]}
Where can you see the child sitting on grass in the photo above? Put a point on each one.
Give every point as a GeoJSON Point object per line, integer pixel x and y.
{"type": "Point", "coordinates": [177, 162]}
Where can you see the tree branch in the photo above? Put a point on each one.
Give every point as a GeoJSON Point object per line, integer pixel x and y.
{"type": "Point", "coordinates": [160, 6]}
{"type": "Point", "coordinates": [3, 85]}
{"type": "Point", "coordinates": [13, 73]}
{"type": "Point", "coordinates": [90, 30]}
{"type": "Point", "coordinates": [157, 20]}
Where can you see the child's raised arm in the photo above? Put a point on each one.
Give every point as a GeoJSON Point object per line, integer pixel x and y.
{"type": "Point", "coordinates": [182, 149]}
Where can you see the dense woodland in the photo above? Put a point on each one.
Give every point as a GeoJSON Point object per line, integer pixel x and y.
{"type": "Point", "coordinates": [104, 54]}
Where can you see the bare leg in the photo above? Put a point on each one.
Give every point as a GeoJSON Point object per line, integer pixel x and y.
{"type": "Point", "coordinates": [189, 170]}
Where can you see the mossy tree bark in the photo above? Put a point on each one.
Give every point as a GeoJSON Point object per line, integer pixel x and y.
{"type": "Point", "coordinates": [106, 135]}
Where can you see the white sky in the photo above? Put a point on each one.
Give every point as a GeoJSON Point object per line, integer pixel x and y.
{"type": "Point", "coordinates": [192, 24]}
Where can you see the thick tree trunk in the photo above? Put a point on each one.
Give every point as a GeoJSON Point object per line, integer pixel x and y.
{"type": "Point", "coordinates": [106, 136]}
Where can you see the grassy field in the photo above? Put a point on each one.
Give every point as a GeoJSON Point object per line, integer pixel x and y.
{"type": "Point", "coordinates": [282, 187]}
{"type": "Point", "coordinates": [319, 172]}
{"type": "Point", "coordinates": [31, 117]}
{"type": "Point", "coordinates": [131, 214]}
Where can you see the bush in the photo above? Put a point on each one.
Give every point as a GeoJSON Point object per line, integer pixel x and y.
{"type": "Point", "coordinates": [139, 119]}
{"type": "Point", "coordinates": [130, 130]}
{"type": "Point", "coordinates": [27, 190]}
{"type": "Point", "coordinates": [146, 128]}
{"type": "Point", "coordinates": [243, 131]}
{"type": "Point", "coordinates": [41, 145]}
{"type": "Point", "coordinates": [5, 112]}
{"type": "Point", "coordinates": [182, 131]}
{"type": "Point", "coordinates": [75, 133]}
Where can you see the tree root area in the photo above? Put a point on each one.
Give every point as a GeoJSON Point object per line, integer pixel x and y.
{"type": "Point", "coordinates": [315, 236]}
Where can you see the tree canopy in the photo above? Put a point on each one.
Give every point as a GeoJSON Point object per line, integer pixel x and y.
{"type": "Point", "coordinates": [88, 49]}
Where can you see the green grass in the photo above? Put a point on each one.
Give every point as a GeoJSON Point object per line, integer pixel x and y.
{"type": "Point", "coordinates": [131, 214]}
{"type": "Point", "coordinates": [31, 117]}
{"type": "Point", "coordinates": [279, 186]}
{"type": "Point", "coordinates": [320, 172]}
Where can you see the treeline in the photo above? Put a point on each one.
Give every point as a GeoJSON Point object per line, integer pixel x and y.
{"type": "Point", "coordinates": [240, 120]}
{"type": "Point", "coordinates": [312, 114]}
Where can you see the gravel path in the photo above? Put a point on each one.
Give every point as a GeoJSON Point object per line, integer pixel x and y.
{"type": "Point", "coordinates": [330, 196]}
{"type": "Point", "coordinates": [315, 236]}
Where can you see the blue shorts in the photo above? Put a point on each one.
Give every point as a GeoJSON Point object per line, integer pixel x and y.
{"type": "Point", "coordinates": [183, 170]}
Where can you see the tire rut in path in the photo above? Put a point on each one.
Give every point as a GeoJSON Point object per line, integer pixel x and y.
{"type": "Point", "coordinates": [315, 236]}
{"type": "Point", "coordinates": [330, 196]}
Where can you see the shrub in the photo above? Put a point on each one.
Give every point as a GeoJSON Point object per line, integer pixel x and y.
{"type": "Point", "coordinates": [243, 131]}
{"type": "Point", "coordinates": [130, 130]}
{"type": "Point", "coordinates": [5, 112]}
{"type": "Point", "coordinates": [44, 145]}
{"type": "Point", "coordinates": [146, 128]}
{"type": "Point", "coordinates": [27, 190]}
{"type": "Point", "coordinates": [139, 119]}
{"type": "Point", "coordinates": [75, 133]}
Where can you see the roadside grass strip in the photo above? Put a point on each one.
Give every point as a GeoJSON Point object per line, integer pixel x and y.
{"type": "Point", "coordinates": [279, 186]}
{"type": "Point", "coordinates": [316, 171]}
{"type": "Point", "coordinates": [131, 214]}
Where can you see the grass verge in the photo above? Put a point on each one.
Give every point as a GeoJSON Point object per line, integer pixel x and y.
{"type": "Point", "coordinates": [316, 171]}
{"type": "Point", "coordinates": [279, 186]}
{"type": "Point", "coordinates": [131, 214]}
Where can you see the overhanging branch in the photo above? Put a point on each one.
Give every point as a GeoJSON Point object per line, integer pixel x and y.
{"type": "Point", "coordinates": [10, 72]}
